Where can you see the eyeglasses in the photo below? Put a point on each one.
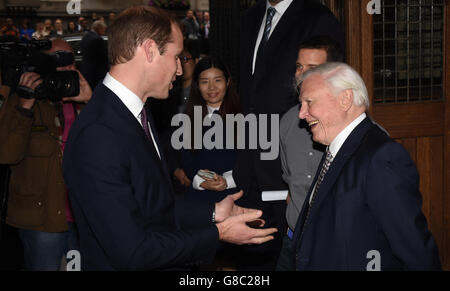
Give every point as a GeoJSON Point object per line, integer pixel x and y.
{"type": "Point", "coordinates": [184, 59]}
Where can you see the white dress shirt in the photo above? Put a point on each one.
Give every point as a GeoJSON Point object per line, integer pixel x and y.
{"type": "Point", "coordinates": [280, 8]}
{"type": "Point", "coordinates": [339, 140]}
{"type": "Point", "coordinates": [130, 100]}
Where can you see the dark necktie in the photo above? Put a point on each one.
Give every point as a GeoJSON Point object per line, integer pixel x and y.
{"type": "Point", "coordinates": [325, 166]}
{"type": "Point", "coordinates": [144, 121]}
{"type": "Point", "coordinates": [268, 26]}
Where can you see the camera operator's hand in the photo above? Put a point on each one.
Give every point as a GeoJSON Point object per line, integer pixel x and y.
{"type": "Point", "coordinates": [85, 91]}
{"type": "Point", "coordinates": [29, 80]}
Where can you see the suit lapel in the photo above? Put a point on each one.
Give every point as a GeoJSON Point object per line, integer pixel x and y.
{"type": "Point", "coordinates": [158, 144]}
{"type": "Point", "coordinates": [350, 145]}
{"type": "Point", "coordinates": [348, 148]}
{"type": "Point", "coordinates": [128, 121]}
{"type": "Point", "coordinates": [121, 117]}
{"type": "Point", "coordinates": [254, 31]}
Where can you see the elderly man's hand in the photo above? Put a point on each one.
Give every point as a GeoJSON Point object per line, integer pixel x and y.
{"type": "Point", "coordinates": [85, 91]}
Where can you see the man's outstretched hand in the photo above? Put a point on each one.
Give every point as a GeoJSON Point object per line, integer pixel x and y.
{"type": "Point", "coordinates": [235, 230]}
{"type": "Point", "coordinates": [227, 207]}
{"type": "Point", "coordinates": [233, 223]}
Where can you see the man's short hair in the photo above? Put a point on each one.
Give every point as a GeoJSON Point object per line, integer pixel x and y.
{"type": "Point", "coordinates": [324, 42]}
{"type": "Point", "coordinates": [341, 76]}
{"type": "Point", "coordinates": [135, 25]}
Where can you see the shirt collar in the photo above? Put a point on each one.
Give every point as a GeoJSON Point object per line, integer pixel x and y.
{"type": "Point", "coordinates": [339, 140]}
{"type": "Point", "coordinates": [211, 110]}
{"type": "Point", "coordinates": [280, 7]}
{"type": "Point", "coordinates": [128, 98]}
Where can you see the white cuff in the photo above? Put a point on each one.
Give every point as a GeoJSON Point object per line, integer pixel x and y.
{"type": "Point", "coordinates": [228, 176]}
{"type": "Point", "coordinates": [196, 183]}
{"type": "Point", "coordinates": [274, 195]}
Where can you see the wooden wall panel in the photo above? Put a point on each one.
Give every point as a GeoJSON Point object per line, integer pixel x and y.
{"type": "Point", "coordinates": [411, 120]}
{"type": "Point", "coordinates": [353, 34]}
{"type": "Point", "coordinates": [430, 166]}
{"type": "Point", "coordinates": [446, 198]}
{"type": "Point", "coordinates": [427, 153]}
{"type": "Point", "coordinates": [410, 144]}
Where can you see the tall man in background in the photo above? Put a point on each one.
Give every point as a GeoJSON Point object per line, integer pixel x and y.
{"type": "Point", "coordinates": [270, 34]}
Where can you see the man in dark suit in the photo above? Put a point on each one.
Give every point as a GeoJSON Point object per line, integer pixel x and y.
{"type": "Point", "coordinates": [95, 54]}
{"type": "Point", "coordinates": [115, 169]}
{"type": "Point", "coordinates": [363, 210]}
{"type": "Point", "coordinates": [269, 41]}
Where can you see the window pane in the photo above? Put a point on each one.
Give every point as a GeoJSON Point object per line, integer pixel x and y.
{"type": "Point", "coordinates": [408, 56]}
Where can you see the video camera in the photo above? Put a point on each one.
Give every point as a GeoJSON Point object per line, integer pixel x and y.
{"type": "Point", "coordinates": [18, 57]}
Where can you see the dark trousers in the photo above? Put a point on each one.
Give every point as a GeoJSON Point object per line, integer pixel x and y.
{"type": "Point", "coordinates": [262, 257]}
{"type": "Point", "coordinates": [286, 260]}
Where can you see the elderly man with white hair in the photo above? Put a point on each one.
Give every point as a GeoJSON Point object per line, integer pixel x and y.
{"type": "Point", "coordinates": [363, 210]}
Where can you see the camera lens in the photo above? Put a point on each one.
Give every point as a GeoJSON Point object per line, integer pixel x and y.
{"type": "Point", "coordinates": [62, 84]}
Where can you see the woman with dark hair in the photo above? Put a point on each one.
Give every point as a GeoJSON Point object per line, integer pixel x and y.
{"type": "Point", "coordinates": [71, 27]}
{"type": "Point", "coordinates": [212, 87]}
{"type": "Point", "coordinates": [212, 90]}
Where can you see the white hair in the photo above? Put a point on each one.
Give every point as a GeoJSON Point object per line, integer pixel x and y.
{"type": "Point", "coordinates": [341, 76]}
{"type": "Point", "coordinates": [97, 25]}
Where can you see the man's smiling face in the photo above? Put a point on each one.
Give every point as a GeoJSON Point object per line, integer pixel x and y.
{"type": "Point", "coordinates": [321, 109]}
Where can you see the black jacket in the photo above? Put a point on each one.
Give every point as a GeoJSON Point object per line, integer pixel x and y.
{"type": "Point", "coordinates": [270, 89]}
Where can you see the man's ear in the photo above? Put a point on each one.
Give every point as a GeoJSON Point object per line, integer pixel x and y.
{"type": "Point", "coordinates": [346, 99]}
{"type": "Point", "coordinates": [149, 46]}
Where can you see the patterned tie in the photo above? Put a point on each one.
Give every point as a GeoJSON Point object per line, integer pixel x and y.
{"type": "Point", "coordinates": [325, 166]}
{"type": "Point", "coordinates": [144, 121]}
{"type": "Point", "coordinates": [270, 13]}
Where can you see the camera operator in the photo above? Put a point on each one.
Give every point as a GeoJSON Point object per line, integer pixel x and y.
{"type": "Point", "coordinates": [36, 131]}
